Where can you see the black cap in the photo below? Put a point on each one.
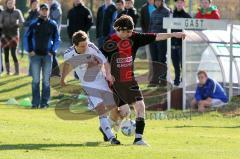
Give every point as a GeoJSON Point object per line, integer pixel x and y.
{"type": "Point", "coordinates": [44, 6]}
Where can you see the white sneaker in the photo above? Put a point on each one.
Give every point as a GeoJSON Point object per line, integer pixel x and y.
{"type": "Point", "coordinates": [141, 143]}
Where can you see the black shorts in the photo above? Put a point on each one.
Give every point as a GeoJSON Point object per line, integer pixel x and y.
{"type": "Point", "coordinates": [126, 93]}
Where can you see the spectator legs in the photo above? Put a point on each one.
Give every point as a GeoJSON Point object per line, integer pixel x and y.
{"type": "Point", "coordinates": [36, 64]}
{"type": "Point", "coordinates": [158, 52]}
{"type": "Point", "coordinates": [55, 67]}
{"type": "Point", "coordinates": [177, 64]}
{"type": "Point", "coordinates": [46, 74]}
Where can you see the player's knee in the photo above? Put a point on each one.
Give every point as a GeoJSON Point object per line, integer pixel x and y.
{"type": "Point", "coordinates": [140, 106]}
{"type": "Point", "coordinates": [101, 110]}
{"type": "Point", "coordinates": [140, 109]}
{"type": "Point", "coordinates": [124, 111]}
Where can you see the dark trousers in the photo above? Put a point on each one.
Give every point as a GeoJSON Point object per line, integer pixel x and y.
{"type": "Point", "coordinates": [177, 63]}
{"type": "Point", "coordinates": [158, 51]}
{"type": "Point", "coordinates": [13, 53]}
{"type": "Point", "coordinates": [55, 67]}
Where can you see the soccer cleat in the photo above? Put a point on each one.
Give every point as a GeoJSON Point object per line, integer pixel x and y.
{"type": "Point", "coordinates": [140, 142]}
{"type": "Point", "coordinates": [114, 141]}
{"type": "Point", "coordinates": [104, 136]}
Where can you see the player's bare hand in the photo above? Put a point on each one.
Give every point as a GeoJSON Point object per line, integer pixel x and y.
{"type": "Point", "coordinates": [179, 35]}
{"type": "Point", "coordinates": [110, 79]}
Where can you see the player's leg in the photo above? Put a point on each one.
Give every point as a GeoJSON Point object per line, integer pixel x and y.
{"type": "Point", "coordinates": [139, 107]}
{"type": "Point", "coordinates": [105, 125]}
{"type": "Point", "coordinates": [117, 115]}
{"type": "Point", "coordinates": [97, 102]}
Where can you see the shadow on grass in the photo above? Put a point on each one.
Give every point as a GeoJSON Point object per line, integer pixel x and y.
{"type": "Point", "coordinates": [16, 97]}
{"type": "Point", "coordinates": [44, 146]}
{"type": "Point", "coordinates": [214, 127]}
{"type": "Point", "coordinates": [14, 88]}
{"type": "Point", "coordinates": [6, 80]}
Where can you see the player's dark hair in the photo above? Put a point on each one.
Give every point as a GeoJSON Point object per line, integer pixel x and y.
{"type": "Point", "coordinates": [125, 22]}
{"type": "Point", "coordinates": [120, 1]}
{"type": "Point", "coordinates": [202, 72]}
{"type": "Point", "coordinates": [78, 37]}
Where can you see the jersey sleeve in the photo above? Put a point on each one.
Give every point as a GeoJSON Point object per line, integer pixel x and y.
{"type": "Point", "coordinates": [143, 39]}
{"type": "Point", "coordinates": [96, 52]}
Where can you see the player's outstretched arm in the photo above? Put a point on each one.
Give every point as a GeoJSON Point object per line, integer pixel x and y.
{"type": "Point", "coordinates": [165, 36]}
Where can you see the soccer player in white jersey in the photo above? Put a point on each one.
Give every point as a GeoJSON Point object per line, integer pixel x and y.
{"type": "Point", "coordinates": [94, 74]}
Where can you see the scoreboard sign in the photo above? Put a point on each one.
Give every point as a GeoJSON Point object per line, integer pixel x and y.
{"type": "Point", "coordinates": [194, 24]}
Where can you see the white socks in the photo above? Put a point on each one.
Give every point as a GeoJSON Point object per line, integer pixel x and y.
{"type": "Point", "coordinates": [105, 125]}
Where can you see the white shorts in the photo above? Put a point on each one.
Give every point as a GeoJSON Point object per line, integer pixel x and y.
{"type": "Point", "coordinates": [217, 103]}
{"type": "Point", "coordinates": [97, 96]}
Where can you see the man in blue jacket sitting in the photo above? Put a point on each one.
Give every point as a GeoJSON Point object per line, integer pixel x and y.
{"type": "Point", "coordinates": [41, 42]}
{"type": "Point", "coordinates": [208, 93]}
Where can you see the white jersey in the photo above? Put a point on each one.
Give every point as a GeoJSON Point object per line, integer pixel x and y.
{"type": "Point", "coordinates": [88, 76]}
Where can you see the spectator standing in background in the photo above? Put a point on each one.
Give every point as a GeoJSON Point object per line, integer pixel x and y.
{"type": "Point", "coordinates": [55, 14]}
{"type": "Point", "coordinates": [79, 11]}
{"type": "Point", "coordinates": [130, 10]}
{"type": "Point", "coordinates": [41, 46]}
{"type": "Point", "coordinates": [207, 10]}
{"type": "Point", "coordinates": [33, 14]}
{"type": "Point", "coordinates": [106, 16]}
{"type": "Point", "coordinates": [179, 12]}
{"type": "Point", "coordinates": [120, 5]}
{"type": "Point", "coordinates": [158, 49]}
{"type": "Point", "coordinates": [146, 12]}
{"type": "Point", "coordinates": [79, 18]}
{"type": "Point", "coordinates": [10, 21]}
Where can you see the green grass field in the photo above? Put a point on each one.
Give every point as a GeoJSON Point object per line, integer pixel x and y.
{"type": "Point", "coordinates": [40, 134]}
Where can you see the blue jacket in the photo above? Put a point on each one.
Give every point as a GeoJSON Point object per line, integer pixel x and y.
{"type": "Point", "coordinates": [211, 89]}
{"type": "Point", "coordinates": [42, 37]}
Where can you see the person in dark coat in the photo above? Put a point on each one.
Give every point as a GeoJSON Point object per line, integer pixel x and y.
{"type": "Point", "coordinates": [41, 41]}
{"type": "Point", "coordinates": [106, 16]}
{"type": "Point", "coordinates": [79, 11]}
{"type": "Point", "coordinates": [145, 14]}
{"type": "Point", "coordinates": [179, 12]}
{"type": "Point", "coordinates": [120, 5]}
{"type": "Point", "coordinates": [33, 14]}
{"type": "Point", "coordinates": [11, 19]}
{"type": "Point", "coordinates": [130, 10]}
{"type": "Point", "coordinates": [55, 14]}
{"type": "Point", "coordinates": [158, 49]}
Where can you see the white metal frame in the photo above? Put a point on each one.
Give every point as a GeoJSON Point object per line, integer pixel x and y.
{"type": "Point", "coordinates": [194, 24]}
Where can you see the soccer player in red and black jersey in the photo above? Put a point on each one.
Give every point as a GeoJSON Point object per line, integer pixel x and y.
{"type": "Point", "coordinates": [120, 50]}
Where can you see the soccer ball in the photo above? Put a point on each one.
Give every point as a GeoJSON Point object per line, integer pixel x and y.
{"type": "Point", "coordinates": [128, 127]}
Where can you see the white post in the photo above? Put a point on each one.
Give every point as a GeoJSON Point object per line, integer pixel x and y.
{"type": "Point", "coordinates": [0, 61]}
{"type": "Point", "coordinates": [231, 64]}
{"type": "Point", "coordinates": [184, 72]}
{"type": "Point", "coordinates": [169, 70]}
